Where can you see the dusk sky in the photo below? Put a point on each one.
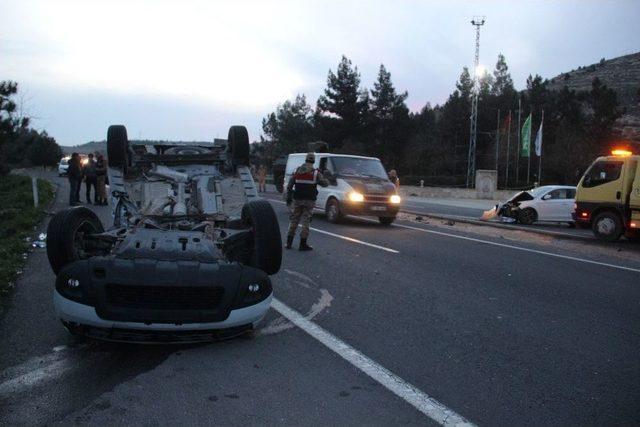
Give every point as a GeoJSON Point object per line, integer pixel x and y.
{"type": "Point", "coordinates": [189, 69]}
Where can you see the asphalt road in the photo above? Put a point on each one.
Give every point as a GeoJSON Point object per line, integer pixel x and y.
{"type": "Point", "coordinates": [497, 332]}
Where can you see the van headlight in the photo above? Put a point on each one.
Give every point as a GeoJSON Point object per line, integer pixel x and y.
{"type": "Point", "coordinates": [395, 199]}
{"type": "Point", "coordinates": [354, 196]}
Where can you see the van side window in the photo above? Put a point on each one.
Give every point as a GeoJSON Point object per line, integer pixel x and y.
{"type": "Point", "coordinates": [326, 165]}
{"type": "Point", "coordinates": [601, 173]}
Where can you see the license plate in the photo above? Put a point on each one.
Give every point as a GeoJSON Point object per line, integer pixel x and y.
{"type": "Point", "coordinates": [378, 208]}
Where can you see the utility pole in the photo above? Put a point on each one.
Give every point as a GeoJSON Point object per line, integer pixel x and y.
{"type": "Point", "coordinates": [497, 141]}
{"type": "Point", "coordinates": [529, 144]}
{"type": "Point", "coordinates": [506, 175]}
{"type": "Point", "coordinates": [477, 21]}
{"type": "Point", "coordinates": [518, 131]}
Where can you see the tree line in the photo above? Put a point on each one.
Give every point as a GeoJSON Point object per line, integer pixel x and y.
{"type": "Point", "coordinates": [20, 144]}
{"type": "Point", "coordinates": [432, 144]}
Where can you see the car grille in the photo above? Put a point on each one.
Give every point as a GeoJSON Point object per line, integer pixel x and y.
{"type": "Point", "coordinates": [164, 297]}
{"type": "Point", "coordinates": [376, 198]}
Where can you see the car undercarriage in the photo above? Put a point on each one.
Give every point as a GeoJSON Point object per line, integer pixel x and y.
{"type": "Point", "coordinates": [190, 242]}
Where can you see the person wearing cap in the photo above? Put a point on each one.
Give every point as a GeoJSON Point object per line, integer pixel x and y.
{"type": "Point", "coordinates": [302, 191]}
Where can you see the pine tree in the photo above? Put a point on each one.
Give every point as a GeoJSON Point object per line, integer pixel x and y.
{"type": "Point", "coordinates": [343, 97]}
{"type": "Point", "coordinates": [385, 102]}
{"type": "Point", "coordinates": [465, 84]}
{"type": "Point", "coordinates": [502, 82]}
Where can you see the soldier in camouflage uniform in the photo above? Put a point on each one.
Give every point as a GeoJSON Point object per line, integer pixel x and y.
{"type": "Point", "coordinates": [302, 191]}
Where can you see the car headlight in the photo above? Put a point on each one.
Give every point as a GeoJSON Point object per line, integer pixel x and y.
{"type": "Point", "coordinates": [395, 199]}
{"type": "Point", "coordinates": [354, 196]}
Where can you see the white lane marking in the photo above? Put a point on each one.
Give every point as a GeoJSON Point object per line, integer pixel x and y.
{"type": "Point", "coordinates": [409, 393]}
{"type": "Point", "coordinates": [281, 324]}
{"type": "Point", "coordinates": [35, 371]}
{"type": "Point", "coordinates": [349, 239]}
{"type": "Point", "coordinates": [46, 373]}
{"type": "Point", "coordinates": [518, 248]}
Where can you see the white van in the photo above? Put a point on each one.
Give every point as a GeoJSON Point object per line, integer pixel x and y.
{"type": "Point", "coordinates": [357, 186]}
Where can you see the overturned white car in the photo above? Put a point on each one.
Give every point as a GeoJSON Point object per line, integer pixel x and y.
{"type": "Point", "coordinates": [188, 256]}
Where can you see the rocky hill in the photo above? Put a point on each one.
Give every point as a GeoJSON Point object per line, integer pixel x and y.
{"type": "Point", "coordinates": [622, 74]}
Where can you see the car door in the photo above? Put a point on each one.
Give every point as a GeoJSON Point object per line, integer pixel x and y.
{"type": "Point", "coordinates": [553, 205]}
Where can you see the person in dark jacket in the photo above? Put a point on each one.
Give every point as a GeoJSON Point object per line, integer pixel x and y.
{"type": "Point", "coordinates": [74, 174]}
{"type": "Point", "coordinates": [302, 191]}
{"type": "Point", "coordinates": [101, 177]}
{"type": "Point", "coordinates": [90, 178]}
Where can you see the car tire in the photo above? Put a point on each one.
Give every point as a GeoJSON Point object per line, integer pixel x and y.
{"type": "Point", "coordinates": [527, 216]}
{"type": "Point", "coordinates": [607, 226]}
{"type": "Point", "coordinates": [117, 146]}
{"type": "Point", "coordinates": [386, 220]}
{"type": "Point", "coordinates": [333, 211]}
{"type": "Point", "coordinates": [63, 231]}
{"type": "Point", "coordinates": [266, 253]}
{"type": "Point", "coordinates": [238, 145]}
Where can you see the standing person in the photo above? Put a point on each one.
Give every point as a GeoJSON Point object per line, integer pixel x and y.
{"type": "Point", "coordinates": [302, 191]}
{"type": "Point", "coordinates": [74, 174]}
{"type": "Point", "coordinates": [90, 177]}
{"type": "Point", "coordinates": [101, 178]}
{"type": "Point", "coordinates": [393, 176]}
{"type": "Point", "coordinates": [262, 179]}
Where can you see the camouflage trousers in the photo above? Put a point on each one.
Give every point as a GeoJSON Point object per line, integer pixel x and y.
{"type": "Point", "coordinates": [301, 212]}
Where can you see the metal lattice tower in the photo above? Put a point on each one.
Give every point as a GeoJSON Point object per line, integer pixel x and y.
{"type": "Point", "coordinates": [477, 21]}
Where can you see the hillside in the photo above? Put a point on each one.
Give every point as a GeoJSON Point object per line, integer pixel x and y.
{"type": "Point", "coordinates": [622, 74]}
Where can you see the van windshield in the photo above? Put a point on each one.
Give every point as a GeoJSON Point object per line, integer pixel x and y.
{"type": "Point", "coordinates": [359, 167]}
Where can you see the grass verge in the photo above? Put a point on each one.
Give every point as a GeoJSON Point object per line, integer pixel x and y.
{"type": "Point", "coordinates": [18, 218]}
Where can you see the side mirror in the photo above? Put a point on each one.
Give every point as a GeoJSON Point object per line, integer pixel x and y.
{"type": "Point", "coordinates": [546, 197]}
{"type": "Point", "coordinates": [330, 177]}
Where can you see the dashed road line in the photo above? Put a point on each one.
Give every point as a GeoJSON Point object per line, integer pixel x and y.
{"type": "Point", "coordinates": [347, 238]}
{"type": "Point", "coordinates": [401, 388]}
{"type": "Point", "coordinates": [351, 239]}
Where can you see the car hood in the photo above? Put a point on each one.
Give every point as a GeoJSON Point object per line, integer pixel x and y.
{"type": "Point", "coordinates": [370, 185]}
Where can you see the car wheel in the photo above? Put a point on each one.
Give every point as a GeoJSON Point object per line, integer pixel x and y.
{"type": "Point", "coordinates": [266, 253]}
{"type": "Point", "coordinates": [65, 235]}
{"type": "Point", "coordinates": [238, 145]}
{"type": "Point", "coordinates": [117, 146]}
{"type": "Point", "coordinates": [607, 226]}
{"type": "Point", "coordinates": [386, 220]}
{"type": "Point", "coordinates": [333, 212]}
{"type": "Point", "coordinates": [527, 216]}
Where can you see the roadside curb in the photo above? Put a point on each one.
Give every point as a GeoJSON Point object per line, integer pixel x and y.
{"type": "Point", "coordinates": [467, 220]}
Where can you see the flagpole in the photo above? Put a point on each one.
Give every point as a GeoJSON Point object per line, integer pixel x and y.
{"type": "Point", "coordinates": [540, 157]}
{"type": "Point", "coordinates": [518, 151]}
{"type": "Point", "coordinates": [497, 142]}
{"type": "Point", "coordinates": [529, 143]}
{"type": "Point", "coordinates": [506, 178]}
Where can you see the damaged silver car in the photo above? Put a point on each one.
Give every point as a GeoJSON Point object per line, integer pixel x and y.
{"type": "Point", "coordinates": [188, 256]}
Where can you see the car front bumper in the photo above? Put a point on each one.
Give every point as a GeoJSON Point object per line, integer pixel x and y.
{"type": "Point", "coordinates": [84, 320]}
{"type": "Point", "coordinates": [370, 209]}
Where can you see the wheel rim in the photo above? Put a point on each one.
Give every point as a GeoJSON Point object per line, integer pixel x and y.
{"type": "Point", "coordinates": [606, 226]}
{"type": "Point", "coordinates": [333, 211]}
{"type": "Point", "coordinates": [83, 228]}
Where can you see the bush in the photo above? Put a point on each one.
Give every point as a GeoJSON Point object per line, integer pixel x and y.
{"type": "Point", "coordinates": [18, 217]}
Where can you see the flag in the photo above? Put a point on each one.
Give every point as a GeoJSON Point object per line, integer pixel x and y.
{"type": "Point", "coordinates": [538, 142]}
{"type": "Point", "coordinates": [526, 137]}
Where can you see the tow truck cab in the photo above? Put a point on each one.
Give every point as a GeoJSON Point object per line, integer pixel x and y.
{"type": "Point", "coordinates": [608, 196]}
